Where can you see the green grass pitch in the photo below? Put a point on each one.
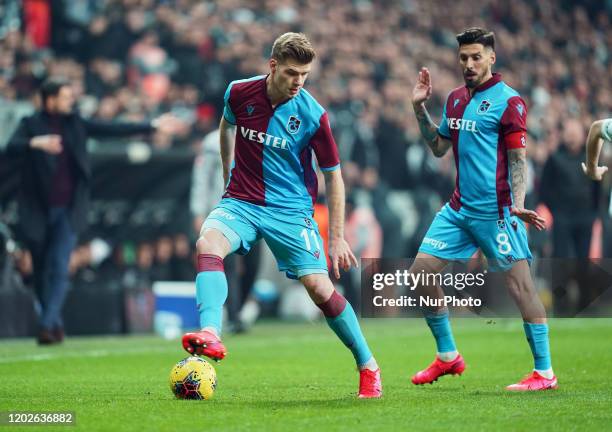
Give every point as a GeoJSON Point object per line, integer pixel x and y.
{"type": "Point", "coordinates": [299, 377]}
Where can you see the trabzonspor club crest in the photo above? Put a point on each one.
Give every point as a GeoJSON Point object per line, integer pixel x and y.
{"type": "Point", "coordinates": [484, 107]}
{"type": "Point", "coordinates": [293, 125]}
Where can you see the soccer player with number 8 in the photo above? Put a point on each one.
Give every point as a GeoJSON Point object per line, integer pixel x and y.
{"type": "Point", "coordinates": [485, 124]}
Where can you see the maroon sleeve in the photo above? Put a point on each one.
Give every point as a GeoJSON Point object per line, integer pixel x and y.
{"type": "Point", "coordinates": [514, 118]}
{"type": "Point", "coordinates": [514, 124]}
{"type": "Point", "coordinates": [324, 145]}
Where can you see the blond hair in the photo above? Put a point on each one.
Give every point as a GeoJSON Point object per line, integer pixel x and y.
{"type": "Point", "coordinates": [294, 46]}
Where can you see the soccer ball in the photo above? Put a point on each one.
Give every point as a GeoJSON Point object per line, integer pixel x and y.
{"type": "Point", "coordinates": [193, 378]}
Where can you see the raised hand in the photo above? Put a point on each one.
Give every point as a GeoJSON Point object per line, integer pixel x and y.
{"type": "Point", "coordinates": [422, 88]}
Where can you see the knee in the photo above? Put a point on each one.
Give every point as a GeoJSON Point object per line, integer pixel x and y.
{"type": "Point", "coordinates": [205, 246]}
{"type": "Point", "coordinates": [319, 287]}
{"type": "Point", "coordinates": [213, 242]}
{"type": "Point", "coordinates": [202, 245]}
{"type": "Point", "coordinates": [427, 264]}
{"type": "Point", "coordinates": [424, 269]}
{"type": "Point", "coordinates": [420, 267]}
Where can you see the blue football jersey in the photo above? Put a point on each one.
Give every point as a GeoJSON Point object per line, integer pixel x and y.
{"type": "Point", "coordinates": [482, 128]}
{"type": "Point", "coordinates": [606, 129]}
{"type": "Point", "coordinates": [273, 156]}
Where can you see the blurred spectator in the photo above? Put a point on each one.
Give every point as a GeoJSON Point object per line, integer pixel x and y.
{"type": "Point", "coordinates": [150, 67]}
{"type": "Point", "coordinates": [164, 250]}
{"type": "Point", "coordinates": [572, 199]}
{"type": "Point", "coordinates": [364, 236]}
{"type": "Point", "coordinates": [53, 197]}
{"type": "Point", "coordinates": [135, 264]}
{"type": "Point", "coordinates": [104, 77]}
{"type": "Point", "coordinates": [183, 266]}
{"type": "Point", "coordinates": [37, 21]}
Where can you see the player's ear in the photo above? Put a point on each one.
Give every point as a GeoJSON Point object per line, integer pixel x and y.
{"type": "Point", "coordinates": [493, 58]}
{"type": "Point", "coordinates": [273, 64]}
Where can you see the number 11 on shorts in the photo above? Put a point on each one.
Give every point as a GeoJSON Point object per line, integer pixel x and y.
{"type": "Point", "coordinates": [313, 234]}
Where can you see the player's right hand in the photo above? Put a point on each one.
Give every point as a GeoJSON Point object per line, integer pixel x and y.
{"type": "Point", "coordinates": [422, 89]}
{"type": "Point", "coordinates": [48, 143]}
{"type": "Point", "coordinates": [341, 256]}
{"type": "Point", "coordinates": [597, 174]}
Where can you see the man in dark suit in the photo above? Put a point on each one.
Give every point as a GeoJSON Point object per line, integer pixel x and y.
{"type": "Point", "coordinates": [573, 200]}
{"type": "Point", "coordinates": [54, 194]}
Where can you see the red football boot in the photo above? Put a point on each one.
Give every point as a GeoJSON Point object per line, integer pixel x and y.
{"type": "Point", "coordinates": [204, 343]}
{"type": "Point", "coordinates": [370, 385]}
{"type": "Point", "coordinates": [439, 368]}
{"type": "Point", "coordinates": [534, 382]}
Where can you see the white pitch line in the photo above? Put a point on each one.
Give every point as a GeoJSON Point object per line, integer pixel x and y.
{"type": "Point", "coordinates": [91, 353]}
{"type": "Point", "coordinates": [96, 353]}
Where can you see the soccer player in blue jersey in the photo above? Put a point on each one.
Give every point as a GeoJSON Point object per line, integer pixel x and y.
{"type": "Point", "coordinates": [270, 128]}
{"type": "Point", "coordinates": [485, 124]}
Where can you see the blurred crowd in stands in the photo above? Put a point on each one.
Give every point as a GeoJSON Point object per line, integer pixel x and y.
{"type": "Point", "coordinates": [135, 59]}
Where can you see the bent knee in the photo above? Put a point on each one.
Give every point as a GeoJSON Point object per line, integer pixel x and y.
{"type": "Point", "coordinates": [203, 245]}
{"type": "Point", "coordinates": [319, 287]}
{"type": "Point", "coordinates": [425, 263]}
{"type": "Point", "coordinates": [423, 267]}
{"type": "Point", "coordinates": [310, 282]}
{"type": "Point", "coordinates": [212, 246]}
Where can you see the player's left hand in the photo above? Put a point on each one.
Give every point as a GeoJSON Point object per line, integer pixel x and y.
{"type": "Point", "coordinates": [529, 216]}
{"type": "Point", "coordinates": [341, 256]}
{"type": "Point", "coordinates": [167, 123]}
{"type": "Point", "coordinates": [596, 174]}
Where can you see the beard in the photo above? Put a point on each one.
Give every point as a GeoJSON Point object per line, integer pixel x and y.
{"type": "Point", "coordinates": [473, 81]}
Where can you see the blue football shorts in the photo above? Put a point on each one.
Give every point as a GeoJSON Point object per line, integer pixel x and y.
{"type": "Point", "coordinates": [455, 237]}
{"type": "Point", "coordinates": [292, 235]}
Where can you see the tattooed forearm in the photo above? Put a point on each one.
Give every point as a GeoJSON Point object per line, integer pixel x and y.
{"type": "Point", "coordinates": [518, 173]}
{"type": "Point", "coordinates": [429, 130]}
